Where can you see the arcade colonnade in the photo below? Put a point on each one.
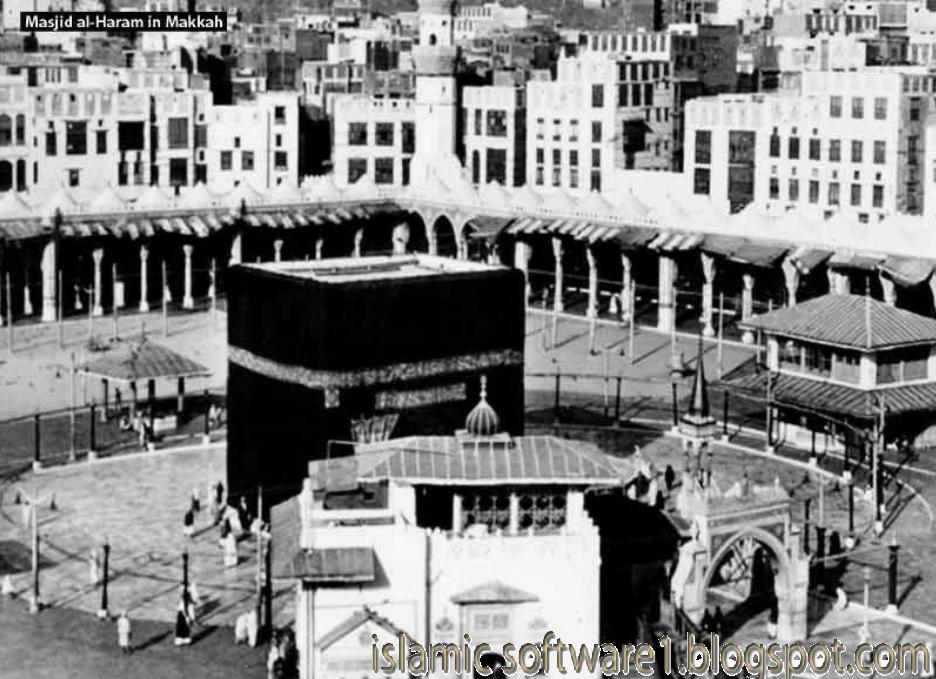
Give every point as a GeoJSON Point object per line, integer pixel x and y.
{"type": "Point", "coordinates": [597, 271]}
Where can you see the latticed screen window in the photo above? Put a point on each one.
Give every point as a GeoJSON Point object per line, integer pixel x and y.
{"type": "Point", "coordinates": [178, 133]}
{"type": "Point", "coordinates": [541, 510]}
{"type": "Point", "coordinates": [489, 509]}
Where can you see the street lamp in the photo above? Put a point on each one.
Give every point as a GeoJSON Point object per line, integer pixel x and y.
{"type": "Point", "coordinates": [102, 611]}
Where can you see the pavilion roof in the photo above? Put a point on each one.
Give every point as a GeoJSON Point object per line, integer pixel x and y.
{"type": "Point", "coordinates": [851, 321]}
{"type": "Point", "coordinates": [838, 398]}
{"type": "Point", "coordinates": [355, 620]}
{"type": "Point", "coordinates": [444, 460]}
{"type": "Point", "coordinates": [143, 360]}
{"type": "Point", "coordinates": [493, 592]}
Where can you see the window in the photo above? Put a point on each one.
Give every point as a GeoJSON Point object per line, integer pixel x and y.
{"type": "Point", "coordinates": [700, 180]}
{"type": "Point", "coordinates": [835, 106]}
{"type": "Point", "coordinates": [383, 134]}
{"type": "Point", "coordinates": [74, 177]}
{"type": "Point", "coordinates": [814, 147]}
{"type": "Point", "coordinates": [101, 141]}
{"type": "Point", "coordinates": [596, 158]}
{"type": "Point", "coordinates": [648, 94]}
{"type": "Point", "coordinates": [902, 365]}
{"type": "Point", "coordinates": [540, 156]}
{"type": "Point", "coordinates": [408, 135]}
{"type": "Point", "coordinates": [50, 143]}
{"type": "Point", "coordinates": [774, 188]}
{"type": "Point", "coordinates": [237, 142]}
{"type": "Point", "coordinates": [596, 180]}
{"type": "Point", "coordinates": [20, 129]}
{"type": "Point", "coordinates": [539, 175]}
{"type": "Point", "coordinates": [793, 189]}
{"type": "Point", "coordinates": [856, 194]}
{"type": "Point", "coordinates": [201, 137]}
{"type": "Point", "coordinates": [597, 96]}
{"type": "Point", "coordinates": [856, 149]}
{"type": "Point", "coordinates": [914, 108]}
{"type": "Point", "coordinates": [573, 177]}
{"type": "Point", "coordinates": [130, 136]}
{"type": "Point", "coordinates": [279, 115]}
{"type": "Point", "coordinates": [703, 147]}
{"type": "Point", "coordinates": [877, 196]}
{"type": "Point", "coordinates": [475, 167]}
{"type": "Point", "coordinates": [178, 133]}
{"type": "Point", "coordinates": [857, 105]}
{"type": "Point", "coordinates": [76, 138]}
{"type": "Point", "coordinates": [383, 170]}
{"type": "Point", "coordinates": [496, 165]}
{"type": "Point", "coordinates": [788, 353]}
{"type": "Point", "coordinates": [880, 108]}
{"type": "Point", "coordinates": [573, 158]}
{"type": "Point", "coordinates": [357, 134]}
{"type": "Point", "coordinates": [846, 366]}
{"type": "Point", "coordinates": [357, 168]}
{"type": "Point", "coordinates": [818, 360]}
{"type": "Point", "coordinates": [497, 123]}
{"type": "Point", "coordinates": [793, 148]}
{"type": "Point", "coordinates": [833, 193]}
{"type": "Point", "coordinates": [178, 172]}
{"type": "Point", "coordinates": [596, 131]}
{"type": "Point", "coordinates": [247, 160]}
{"type": "Point", "coordinates": [622, 95]}
{"type": "Point", "coordinates": [478, 129]}
{"type": "Point", "coordinates": [835, 150]}
{"type": "Point", "coordinates": [405, 174]}
{"type": "Point", "coordinates": [6, 175]}
{"type": "Point", "coordinates": [280, 160]}
{"type": "Point", "coordinates": [227, 160]}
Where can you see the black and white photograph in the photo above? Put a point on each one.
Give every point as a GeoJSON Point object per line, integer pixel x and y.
{"type": "Point", "coordinates": [551, 339]}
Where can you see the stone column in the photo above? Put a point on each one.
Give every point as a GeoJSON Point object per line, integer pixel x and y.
{"type": "Point", "coordinates": [557, 293]}
{"type": "Point", "coordinates": [319, 244]}
{"type": "Point", "coordinates": [708, 293]}
{"type": "Point", "coordinates": [747, 304]}
{"type": "Point", "coordinates": [627, 282]}
{"type": "Point", "coordinates": [49, 283]}
{"type": "Point", "coordinates": [839, 283]}
{"type": "Point", "coordinates": [278, 250]}
{"type": "Point", "coordinates": [433, 239]}
{"type": "Point", "coordinates": [522, 252]}
{"type": "Point", "coordinates": [358, 237]}
{"type": "Point", "coordinates": [456, 513]}
{"type": "Point", "coordinates": [514, 527]}
{"type": "Point", "coordinates": [27, 296]}
{"type": "Point", "coordinates": [237, 251]}
{"type": "Point", "coordinates": [890, 290]}
{"type": "Point", "coordinates": [666, 294]}
{"type": "Point", "coordinates": [399, 240]}
{"type": "Point", "coordinates": [144, 282]}
{"type": "Point", "coordinates": [592, 311]}
{"type": "Point", "coordinates": [187, 301]}
{"type": "Point", "coordinates": [791, 276]}
{"type": "Point", "coordinates": [461, 244]}
{"type": "Point", "coordinates": [98, 256]}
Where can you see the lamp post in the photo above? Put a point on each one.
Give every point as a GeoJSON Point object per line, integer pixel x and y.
{"type": "Point", "coordinates": [102, 611]}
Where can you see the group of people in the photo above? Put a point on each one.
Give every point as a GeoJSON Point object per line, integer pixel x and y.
{"type": "Point", "coordinates": [141, 424]}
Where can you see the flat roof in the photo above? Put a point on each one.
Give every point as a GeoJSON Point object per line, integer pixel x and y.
{"type": "Point", "coordinates": [384, 267]}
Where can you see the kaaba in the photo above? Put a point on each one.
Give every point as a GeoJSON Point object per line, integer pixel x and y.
{"type": "Point", "coordinates": [326, 353]}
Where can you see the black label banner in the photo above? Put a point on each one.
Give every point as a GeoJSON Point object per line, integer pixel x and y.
{"type": "Point", "coordinates": [159, 22]}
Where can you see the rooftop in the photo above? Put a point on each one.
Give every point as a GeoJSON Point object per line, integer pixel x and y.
{"type": "Point", "coordinates": [458, 460]}
{"type": "Point", "coordinates": [850, 321]}
{"type": "Point", "coordinates": [354, 269]}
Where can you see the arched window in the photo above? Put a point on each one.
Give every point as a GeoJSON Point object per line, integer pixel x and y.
{"type": "Point", "coordinates": [6, 176]}
{"type": "Point", "coordinates": [6, 130]}
{"type": "Point", "coordinates": [20, 130]}
{"type": "Point", "coordinates": [20, 175]}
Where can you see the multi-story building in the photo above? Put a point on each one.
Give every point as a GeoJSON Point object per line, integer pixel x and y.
{"type": "Point", "coordinates": [322, 79]}
{"type": "Point", "coordinates": [15, 134]}
{"type": "Point", "coordinates": [849, 141]}
{"type": "Point", "coordinates": [373, 136]}
{"type": "Point", "coordinates": [598, 115]}
{"type": "Point", "coordinates": [255, 141]}
{"type": "Point", "coordinates": [495, 133]}
{"type": "Point", "coordinates": [474, 21]}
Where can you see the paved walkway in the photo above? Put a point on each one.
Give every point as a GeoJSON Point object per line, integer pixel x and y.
{"type": "Point", "coordinates": [136, 503]}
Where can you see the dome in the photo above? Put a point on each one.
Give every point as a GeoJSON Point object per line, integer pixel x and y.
{"type": "Point", "coordinates": [482, 420]}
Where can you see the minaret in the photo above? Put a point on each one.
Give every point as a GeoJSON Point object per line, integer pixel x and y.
{"type": "Point", "coordinates": [435, 58]}
{"type": "Point", "coordinates": [697, 426]}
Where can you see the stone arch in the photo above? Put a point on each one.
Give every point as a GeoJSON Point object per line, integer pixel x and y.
{"type": "Point", "coordinates": [418, 241]}
{"type": "Point", "coordinates": [444, 235]}
{"type": "Point", "coordinates": [767, 540]}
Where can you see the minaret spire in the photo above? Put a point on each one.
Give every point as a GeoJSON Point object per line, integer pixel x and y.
{"type": "Point", "coordinates": [699, 402]}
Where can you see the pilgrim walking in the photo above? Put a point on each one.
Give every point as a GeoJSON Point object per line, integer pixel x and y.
{"type": "Point", "coordinates": [123, 633]}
